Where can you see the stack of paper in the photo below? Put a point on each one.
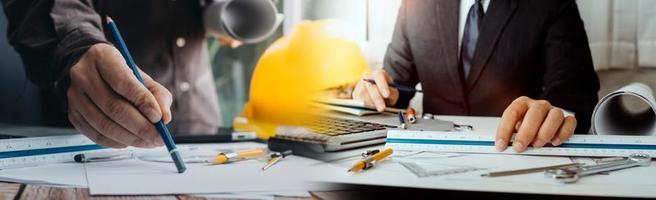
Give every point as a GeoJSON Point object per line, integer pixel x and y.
{"type": "Point", "coordinates": [351, 106]}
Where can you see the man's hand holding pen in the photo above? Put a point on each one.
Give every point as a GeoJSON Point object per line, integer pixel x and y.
{"type": "Point", "coordinates": [110, 106]}
{"type": "Point", "coordinates": [379, 94]}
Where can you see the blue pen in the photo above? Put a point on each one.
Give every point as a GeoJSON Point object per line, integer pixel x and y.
{"type": "Point", "coordinates": [402, 124]}
{"type": "Point", "coordinates": [397, 86]}
{"type": "Point", "coordinates": [161, 128]}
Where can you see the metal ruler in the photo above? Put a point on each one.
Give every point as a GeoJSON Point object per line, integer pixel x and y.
{"type": "Point", "coordinates": [480, 142]}
{"type": "Point", "coordinates": [32, 151]}
{"type": "Point", "coordinates": [421, 172]}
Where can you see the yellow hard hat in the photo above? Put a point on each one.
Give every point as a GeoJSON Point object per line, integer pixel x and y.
{"type": "Point", "coordinates": [293, 71]}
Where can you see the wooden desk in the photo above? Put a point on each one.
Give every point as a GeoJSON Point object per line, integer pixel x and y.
{"type": "Point", "coordinates": [28, 192]}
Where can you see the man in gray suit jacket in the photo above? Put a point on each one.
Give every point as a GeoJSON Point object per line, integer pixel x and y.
{"type": "Point", "coordinates": [528, 61]}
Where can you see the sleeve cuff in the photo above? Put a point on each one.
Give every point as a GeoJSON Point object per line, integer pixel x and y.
{"type": "Point", "coordinates": [568, 113]}
{"type": "Point", "coordinates": [69, 51]}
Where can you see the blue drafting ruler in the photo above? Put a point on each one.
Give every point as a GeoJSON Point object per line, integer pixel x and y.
{"type": "Point", "coordinates": [33, 151]}
{"type": "Point", "coordinates": [479, 142]}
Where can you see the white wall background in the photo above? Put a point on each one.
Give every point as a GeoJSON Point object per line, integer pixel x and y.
{"type": "Point", "coordinates": [369, 23]}
{"type": "Point", "coordinates": [622, 33]}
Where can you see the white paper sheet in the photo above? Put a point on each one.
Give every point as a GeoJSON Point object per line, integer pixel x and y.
{"type": "Point", "coordinates": [61, 174]}
{"type": "Point", "coordinates": [143, 177]}
{"type": "Point", "coordinates": [257, 195]}
{"type": "Point", "coordinates": [635, 182]}
{"type": "Point", "coordinates": [69, 174]}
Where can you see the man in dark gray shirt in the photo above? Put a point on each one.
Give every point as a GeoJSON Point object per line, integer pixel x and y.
{"type": "Point", "coordinates": [84, 79]}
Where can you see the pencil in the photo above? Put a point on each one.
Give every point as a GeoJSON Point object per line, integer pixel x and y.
{"type": "Point", "coordinates": [397, 86]}
{"type": "Point", "coordinates": [161, 127]}
{"type": "Point", "coordinates": [527, 171]}
{"type": "Point", "coordinates": [402, 121]}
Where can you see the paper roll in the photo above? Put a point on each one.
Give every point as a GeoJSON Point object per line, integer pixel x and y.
{"type": "Point", "coordinates": [627, 111]}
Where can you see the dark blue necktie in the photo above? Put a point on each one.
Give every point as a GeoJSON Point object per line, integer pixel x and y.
{"type": "Point", "coordinates": [470, 36]}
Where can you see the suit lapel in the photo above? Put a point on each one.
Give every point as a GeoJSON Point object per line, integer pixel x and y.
{"type": "Point", "coordinates": [495, 20]}
{"type": "Point", "coordinates": [447, 32]}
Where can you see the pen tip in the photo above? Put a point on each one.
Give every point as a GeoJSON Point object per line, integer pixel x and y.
{"type": "Point", "coordinates": [79, 158]}
{"type": "Point", "coordinates": [109, 19]}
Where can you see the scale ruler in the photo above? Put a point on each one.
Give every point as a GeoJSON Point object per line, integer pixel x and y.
{"type": "Point", "coordinates": [32, 151]}
{"type": "Point", "coordinates": [479, 142]}
{"type": "Point", "coordinates": [421, 172]}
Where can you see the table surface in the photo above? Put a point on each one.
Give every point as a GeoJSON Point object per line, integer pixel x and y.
{"type": "Point", "coordinates": [18, 191]}
{"type": "Point", "coordinates": [28, 191]}
{"type": "Point", "coordinates": [31, 191]}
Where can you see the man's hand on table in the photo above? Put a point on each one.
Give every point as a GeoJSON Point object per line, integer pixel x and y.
{"type": "Point", "coordinates": [536, 123]}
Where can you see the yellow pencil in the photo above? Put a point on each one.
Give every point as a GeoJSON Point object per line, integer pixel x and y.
{"type": "Point", "coordinates": [229, 157]}
{"type": "Point", "coordinates": [367, 162]}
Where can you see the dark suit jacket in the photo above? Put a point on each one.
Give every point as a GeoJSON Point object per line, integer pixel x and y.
{"type": "Point", "coordinates": [534, 48]}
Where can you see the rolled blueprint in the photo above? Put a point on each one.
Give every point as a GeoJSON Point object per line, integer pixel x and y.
{"type": "Point", "coordinates": [627, 111]}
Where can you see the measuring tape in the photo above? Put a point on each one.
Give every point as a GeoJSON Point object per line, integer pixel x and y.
{"type": "Point", "coordinates": [478, 142]}
{"type": "Point", "coordinates": [32, 151]}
